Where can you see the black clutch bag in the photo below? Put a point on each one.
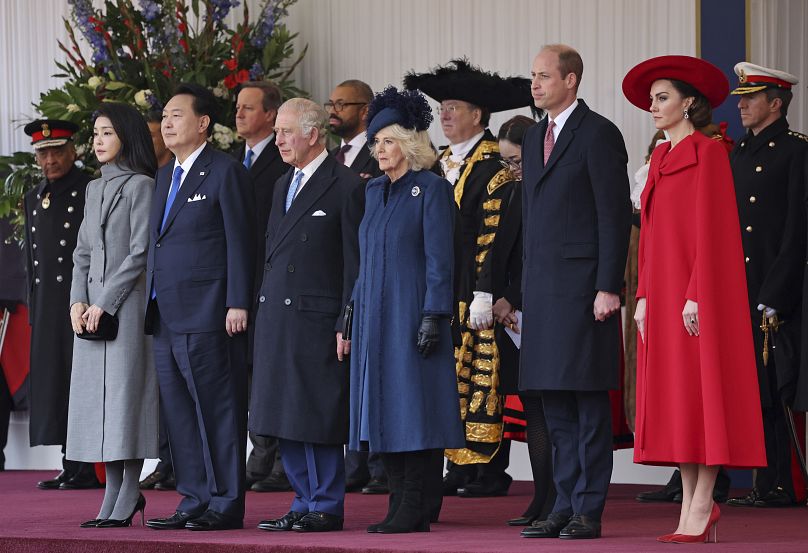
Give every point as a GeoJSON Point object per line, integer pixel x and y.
{"type": "Point", "coordinates": [347, 322]}
{"type": "Point", "coordinates": [107, 329]}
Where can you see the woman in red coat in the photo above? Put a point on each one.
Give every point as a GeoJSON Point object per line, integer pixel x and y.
{"type": "Point", "coordinates": [697, 402]}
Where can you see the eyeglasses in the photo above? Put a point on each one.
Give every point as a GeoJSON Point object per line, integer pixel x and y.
{"type": "Point", "coordinates": [450, 108]}
{"type": "Point", "coordinates": [512, 164]}
{"type": "Point", "coordinates": [339, 105]}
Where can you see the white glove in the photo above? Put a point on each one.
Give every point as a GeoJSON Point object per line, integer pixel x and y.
{"type": "Point", "coordinates": [481, 317]}
{"type": "Point", "coordinates": [768, 311]}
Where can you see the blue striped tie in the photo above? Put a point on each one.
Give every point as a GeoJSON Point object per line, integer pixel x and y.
{"type": "Point", "coordinates": [290, 196]}
{"type": "Point", "coordinates": [248, 158]}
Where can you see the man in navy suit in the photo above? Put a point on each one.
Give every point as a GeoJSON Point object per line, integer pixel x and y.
{"type": "Point", "coordinates": [310, 265]}
{"type": "Point", "coordinates": [577, 218]}
{"type": "Point", "coordinates": [200, 276]}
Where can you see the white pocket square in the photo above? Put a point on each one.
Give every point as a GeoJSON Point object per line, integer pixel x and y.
{"type": "Point", "coordinates": [197, 198]}
{"type": "Point", "coordinates": [318, 213]}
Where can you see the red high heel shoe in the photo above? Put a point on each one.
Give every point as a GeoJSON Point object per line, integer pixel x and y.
{"type": "Point", "coordinates": [712, 524]}
{"type": "Point", "coordinates": [666, 538]}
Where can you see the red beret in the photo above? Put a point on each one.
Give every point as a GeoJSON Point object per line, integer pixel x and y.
{"type": "Point", "coordinates": [701, 75]}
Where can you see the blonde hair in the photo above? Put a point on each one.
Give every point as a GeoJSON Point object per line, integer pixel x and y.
{"type": "Point", "coordinates": [415, 145]}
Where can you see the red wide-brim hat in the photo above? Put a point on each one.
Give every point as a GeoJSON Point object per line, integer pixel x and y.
{"type": "Point", "coordinates": [702, 75]}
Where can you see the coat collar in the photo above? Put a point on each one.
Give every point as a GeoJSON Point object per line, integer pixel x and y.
{"type": "Point", "coordinates": [120, 175]}
{"type": "Point", "coordinates": [60, 186]}
{"type": "Point", "coordinates": [317, 185]}
{"type": "Point", "coordinates": [752, 143]}
{"type": "Point", "coordinates": [564, 137]}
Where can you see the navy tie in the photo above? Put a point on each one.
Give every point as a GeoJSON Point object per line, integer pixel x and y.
{"type": "Point", "coordinates": [248, 158]}
{"type": "Point", "coordinates": [290, 196]}
{"type": "Point", "coordinates": [172, 192]}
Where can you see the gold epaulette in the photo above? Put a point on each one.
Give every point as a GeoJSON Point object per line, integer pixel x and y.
{"type": "Point", "coordinates": [503, 175]}
{"type": "Point", "coordinates": [798, 135]}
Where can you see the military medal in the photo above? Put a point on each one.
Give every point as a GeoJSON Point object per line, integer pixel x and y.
{"type": "Point", "coordinates": [415, 191]}
{"type": "Point", "coordinates": [46, 201]}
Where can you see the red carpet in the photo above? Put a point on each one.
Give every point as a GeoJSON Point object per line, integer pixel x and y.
{"type": "Point", "coordinates": [34, 520]}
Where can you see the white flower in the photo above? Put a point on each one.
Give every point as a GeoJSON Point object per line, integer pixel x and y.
{"type": "Point", "coordinates": [73, 108]}
{"type": "Point", "coordinates": [223, 136]}
{"type": "Point", "coordinates": [220, 91]}
{"type": "Point", "coordinates": [94, 82]}
{"type": "Point", "coordinates": [142, 98]}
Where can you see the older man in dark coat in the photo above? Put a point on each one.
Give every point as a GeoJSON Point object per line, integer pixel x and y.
{"type": "Point", "coordinates": [310, 265]}
{"type": "Point", "coordinates": [577, 218]}
{"type": "Point", "coordinates": [53, 212]}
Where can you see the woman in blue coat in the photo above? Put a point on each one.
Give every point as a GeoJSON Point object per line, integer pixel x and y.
{"type": "Point", "coordinates": [404, 401]}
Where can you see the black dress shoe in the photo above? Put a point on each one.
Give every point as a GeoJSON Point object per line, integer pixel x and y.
{"type": "Point", "coordinates": [488, 485]}
{"type": "Point", "coordinates": [53, 483]}
{"type": "Point", "coordinates": [747, 500]}
{"type": "Point", "coordinates": [275, 482]}
{"type": "Point", "coordinates": [549, 528]}
{"type": "Point", "coordinates": [81, 482]}
{"type": "Point", "coordinates": [666, 494]}
{"type": "Point", "coordinates": [580, 527]}
{"type": "Point", "coordinates": [521, 521]}
{"type": "Point", "coordinates": [778, 497]}
{"type": "Point", "coordinates": [213, 520]}
{"type": "Point", "coordinates": [152, 479]}
{"type": "Point", "coordinates": [355, 485]}
{"type": "Point", "coordinates": [281, 524]}
{"type": "Point", "coordinates": [318, 522]}
{"type": "Point", "coordinates": [174, 522]}
{"type": "Point", "coordinates": [375, 486]}
{"type": "Point", "coordinates": [127, 522]}
{"type": "Point", "coordinates": [167, 484]}
{"type": "Point", "coordinates": [452, 482]}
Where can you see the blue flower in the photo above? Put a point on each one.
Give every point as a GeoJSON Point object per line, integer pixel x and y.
{"type": "Point", "coordinates": [150, 9]}
{"type": "Point", "coordinates": [256, 71]}
{"type": "Point", "coordinates": [221, 8]}
{"type": "Point", "coordinates": [84, 15]}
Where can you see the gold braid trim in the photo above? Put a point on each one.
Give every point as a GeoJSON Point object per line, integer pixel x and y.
{"type": "Point", "coordinates": [481, 432]}
{"type": "Point", "coordinates": [484, 150]}
{"type": "Point", "coordinates": [492, 205]}
{"type": "Point", "coordinates": [503, 176]}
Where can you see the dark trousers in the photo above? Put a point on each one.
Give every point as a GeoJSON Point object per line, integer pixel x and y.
{"type": "Point", "coordinates": [317, 474]}
{"type": "Point", "coordinates": [202, 381]}
{"type": "Point", "coordinates": [165, 466]}
{"type": "Point", "coordinates": [777, 473]}
{"type": "Point", "coordinates": [361, 466]}
{"type": "Point", "coordinates": [580, 425]}
{"type": "Point", "coordinates": [264, 458]}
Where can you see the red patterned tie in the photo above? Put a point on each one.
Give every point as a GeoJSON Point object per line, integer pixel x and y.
{"type": "Point", "coordinates": [549, 141]}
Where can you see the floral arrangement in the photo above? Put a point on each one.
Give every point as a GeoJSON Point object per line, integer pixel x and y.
{"type": "Point", "coordinates": [140, 50]}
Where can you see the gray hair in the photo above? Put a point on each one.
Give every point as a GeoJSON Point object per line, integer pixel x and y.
{"type": "Point", "coordinates": [310, 115]}
{"type": "Point", "coordinates": [415, 145]}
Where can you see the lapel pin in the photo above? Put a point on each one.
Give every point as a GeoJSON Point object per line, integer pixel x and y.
{"type": "Point", "coordinates": [201, 173]}
{"type": "Point", "coordinates": [415, 191]}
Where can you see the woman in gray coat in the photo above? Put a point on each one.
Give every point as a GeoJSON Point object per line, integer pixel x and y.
{"type": "Point", "coordinates": [112, 413]}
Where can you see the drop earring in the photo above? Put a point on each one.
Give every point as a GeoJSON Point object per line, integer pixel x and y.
{"type": "Point", "coordinates": [687, 115]}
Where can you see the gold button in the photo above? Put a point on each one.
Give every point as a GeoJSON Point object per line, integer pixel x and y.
{"type": "Point", "coordinates": [752, 199]}
{"type": "Point", "coordinates": [771, 144]}
{"type": "Point", "coordinates": [749, 229]}
{"type": "Point", "coordinates": [758, 169]}
{"type": "Point", "coordinates": [747, 260]}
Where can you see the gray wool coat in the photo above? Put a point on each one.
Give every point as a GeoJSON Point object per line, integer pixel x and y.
{"type": "Point", "coordinates": [113, 408]}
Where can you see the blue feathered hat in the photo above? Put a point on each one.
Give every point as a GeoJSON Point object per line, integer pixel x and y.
{"type": "Point", "coordinates": [407, 108]}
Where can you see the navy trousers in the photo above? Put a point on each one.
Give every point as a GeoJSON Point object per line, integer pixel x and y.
{"type": "Point", "coordinates": [580, 426]}
{"type": "Point", "coordinates": [317, 474]}
{"type": "Point", "coordinates": [200, 402]}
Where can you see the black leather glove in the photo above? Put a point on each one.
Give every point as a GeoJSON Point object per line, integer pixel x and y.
{"type": "Point", "coordinates": [428, 335]}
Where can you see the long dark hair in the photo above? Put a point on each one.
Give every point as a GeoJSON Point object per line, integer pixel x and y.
{"type": "Point", "coordinates": [513, 130]}
{"type": "Point", "coordinates": [137, 148]}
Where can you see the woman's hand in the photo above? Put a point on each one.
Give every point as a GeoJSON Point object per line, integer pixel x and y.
{"type": "Point", "coordinates": [639, 317]}
{"type": "Point", "coordinates": [690, 314]}
{"type": "Point", "coordinates": [343, 347]}
{"type": "Point", "coordinates": [91, 317]}
{"type": "Point", "coordinates": [76, 320]}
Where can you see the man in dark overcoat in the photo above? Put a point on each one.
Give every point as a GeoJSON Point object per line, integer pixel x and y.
{"type": "Point", "coordinates": [577, 218]}
{"type": "Point", "coordinates": [347, 109]}
{"type": "Point", "coordinates": [310, 265]}
{"type": "Point", "coordinates": [54, 210]}
{"type": "Point", "coordinates": [768, 170]}
{"type": "Point", "coordinates": [256, 108]}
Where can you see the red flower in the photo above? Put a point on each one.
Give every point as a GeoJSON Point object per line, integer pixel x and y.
{"type": "Point", "coordinates": [231, 64]}
{"type": "Point", "coordinates": [184, 45]}
{"type": "Point", "coordinates": [182, 27]}
{"type": "Point", "coordinates": [243, 76]}
{"type": "Point", "coordinates": [230, 81]}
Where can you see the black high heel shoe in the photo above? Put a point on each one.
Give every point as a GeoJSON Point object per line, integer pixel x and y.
{"type": "Point", "coordinates": [92, 523]}
{"type": "Point", "coordinates": [114, 523]}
